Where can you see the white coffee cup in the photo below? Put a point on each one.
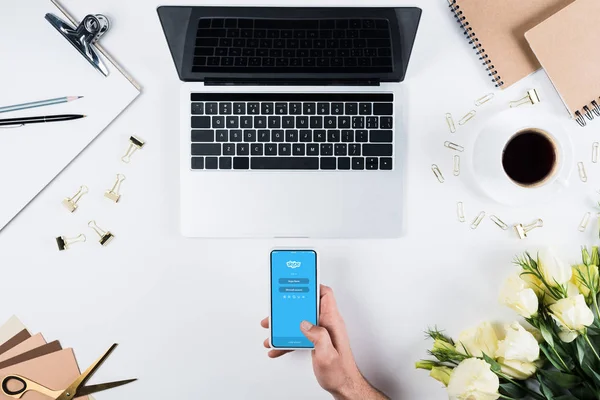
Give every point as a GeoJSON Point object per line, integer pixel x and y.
{"type": "Point", "coordinates": [487, 152]}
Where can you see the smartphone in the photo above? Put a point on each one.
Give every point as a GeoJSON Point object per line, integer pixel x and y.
{"type": "Point", "coordinates": [294, 297]}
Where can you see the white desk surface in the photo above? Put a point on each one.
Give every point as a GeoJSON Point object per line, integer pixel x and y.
{"type": "Point", "coordinates": [186, 312]}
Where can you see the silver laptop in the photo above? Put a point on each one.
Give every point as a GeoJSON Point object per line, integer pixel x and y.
{"type": "Point", "coordinates": [292, 119]}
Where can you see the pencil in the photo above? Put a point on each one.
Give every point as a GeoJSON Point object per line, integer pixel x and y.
{"type": "Point", "coordinates": [41, 103]}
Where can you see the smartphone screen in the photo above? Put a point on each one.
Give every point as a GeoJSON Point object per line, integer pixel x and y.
{"type": "Point", "coordinates": [293, 296]}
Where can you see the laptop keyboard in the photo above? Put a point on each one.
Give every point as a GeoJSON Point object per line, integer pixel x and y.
{"type": "Point", "coordinates": [291, 131]}
{"type": "Point", "coordinates": [293, 45]}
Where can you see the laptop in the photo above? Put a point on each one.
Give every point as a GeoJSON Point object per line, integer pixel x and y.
{"type": "Point", "coordinates": [292, 119]}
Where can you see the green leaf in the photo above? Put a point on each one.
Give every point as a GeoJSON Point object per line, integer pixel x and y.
{"type": "Point", "coordinates": [551, 357]}
{"type": "Point", "coordinates": [547, 334]}
{"type": "Point", "coordinates": [584, 392]}
{"type": "Point", "coordinates": [511, 390]}
{"type": "Point", "coordinates": [495, 367]}
{"type": "Point", "coordinates": [566, 381]}
{"type": "Point", "coordinates": [545, 389]}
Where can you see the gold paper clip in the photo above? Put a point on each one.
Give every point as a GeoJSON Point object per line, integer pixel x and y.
{"type": "Point", "coordinates": [135, 145]}
{"type": "Point", "coordinates": [531, 97]}
{"type": "Point", "coordinates": [467, 117]}
{"type": "Point", "coordinates": [438, 173]}
{"type": "Point", "coordinates": [450, 122]}
{"type": "Point", "coordinates": [460, 211]}
{"type": "Point", "coordinates": [71, 202]}
{"type": "Point", "coordinates": [64, 243]}
{"type": "Point", "coordinates": [595, 152]}
{"type": "Point", "coordinates": [584, 222]}
{"type": "Point", "coordinates": [582, 173]}
{"type": "Point", "coordinates": [481, 101]}
{"type": "Point", "coordinates": [522, 231]}
{"type": "Point", "coordinates": [499, 222]}
{"type": "Point", "coordinates": [478, 220]}
{"type": "Point", "coordinates": [113, 194]}
{"type": "Point", "coordinates": [456, 165]}
{"type": "Point", "coordinates": [105, 236]}
{"type": "Point", "coordinates": [454, 146]}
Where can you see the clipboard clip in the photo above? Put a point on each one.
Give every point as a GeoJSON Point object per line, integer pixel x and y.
{"type": "Point", "coordinates": [84, 36]}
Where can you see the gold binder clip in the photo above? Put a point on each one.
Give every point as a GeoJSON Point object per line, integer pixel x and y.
{"type": "Point", "coordinates": [481, 101]}
{"type": "Point", "coordinates": [65, 243]}
{"type": "Point", "coordinates": [522, 231]}
{"type": "Point", "coordinates": [450, 122]}
{"type": "Point", "coordinates": [71, 202]}
{"type": "Point", "coordinates": [105, 236]}
{"type": "Point", "coordinates": [113, 194]}
{"type": "Point", "coordinates": [467, 117]}
{"type": "Point", "coordinates": [531, 97]}
{"type": "Point", "coordinates": [135, 144]}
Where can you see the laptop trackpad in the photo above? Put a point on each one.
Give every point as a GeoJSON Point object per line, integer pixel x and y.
{"type": "Point", "coordinates": [286, 204]}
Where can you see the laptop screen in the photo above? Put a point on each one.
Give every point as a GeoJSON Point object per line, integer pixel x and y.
{"type": "Point", "coordinates": [293, 45]}
{"type": "Point", "coordinates": [285, 45]}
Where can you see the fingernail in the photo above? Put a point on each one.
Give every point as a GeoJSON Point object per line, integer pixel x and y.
{"type": "Point", "coordinates": [305, 325]}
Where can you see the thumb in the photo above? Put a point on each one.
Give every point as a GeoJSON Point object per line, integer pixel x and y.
{"type": "Point", "coordinates": [318, 336]}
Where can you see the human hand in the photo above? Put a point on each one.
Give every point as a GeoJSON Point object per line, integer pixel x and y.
{"type": "Point", "coordinates": [332, 358]}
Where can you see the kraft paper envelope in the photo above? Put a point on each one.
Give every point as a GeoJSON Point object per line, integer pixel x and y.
{"type": "Point", "coordinates": [32, 343]}
{"type": "Point", "coordinates": [14, 341]}
{"type": "Point", "coordinates": [32, 354]}
{"type": "Point", "coordinates": [56, 371]}
{"type": "Point", "coordinates": [10, 329]}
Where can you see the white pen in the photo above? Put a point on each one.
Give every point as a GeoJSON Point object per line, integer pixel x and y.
{"type": "Point", "coordinates": [41, 103]}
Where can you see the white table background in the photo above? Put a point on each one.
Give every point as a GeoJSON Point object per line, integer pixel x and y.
{"type": "Point", "coordinates": [186, 312]}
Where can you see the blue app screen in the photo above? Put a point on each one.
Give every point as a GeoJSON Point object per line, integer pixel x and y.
{"type": "Point", "coordinates": [293, 296]}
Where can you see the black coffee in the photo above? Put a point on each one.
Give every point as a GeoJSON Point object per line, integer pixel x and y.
{"type": "Point", "coordinates": [529, 157]}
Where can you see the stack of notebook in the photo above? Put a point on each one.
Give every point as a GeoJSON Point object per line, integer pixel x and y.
{"type": "Point", "coordinates": [514, 38]}
{"type": "Point", "coordinates": [24, 354]}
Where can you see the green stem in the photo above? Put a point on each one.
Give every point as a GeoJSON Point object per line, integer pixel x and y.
{"type": "Point", "coordinates": [560, 358]}
{"type": "Point", "coordinates": [595, 300]}
{"type": "Point", "coordinates": [524, 387]}
{"type": "Point", "coordinates": [587, 339]}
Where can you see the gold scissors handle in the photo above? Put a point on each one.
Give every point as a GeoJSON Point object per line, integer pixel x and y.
{"type": "Point", "coordinates": [26, 385]}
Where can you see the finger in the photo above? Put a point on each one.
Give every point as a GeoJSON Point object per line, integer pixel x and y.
{"type": "Point", "coordinates": [267, 344]}
{"type": "Point", "coordinates": [278, 353]}
{"type": "Point", "coordinates": [320, 338]}
{"type": "Point", "coordinates": [331, 319]}
{"type": "Point", "coordinates": [265, 323]}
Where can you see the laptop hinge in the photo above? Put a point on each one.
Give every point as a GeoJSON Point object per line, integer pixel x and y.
{"type": "Point", "coordinates": [290, 82]}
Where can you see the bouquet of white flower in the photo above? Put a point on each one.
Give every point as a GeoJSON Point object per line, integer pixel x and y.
{"type": "Point", "coordinates": [556, 359]}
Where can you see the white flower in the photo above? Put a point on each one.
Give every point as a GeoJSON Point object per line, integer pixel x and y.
{"type": "Point", "coordinates": [518, 352]}
{"type": "Point", "coordinates": [572, 315]}
{"type": "Point", "coordinates": [478, 340]}
{"type": "Point", "coordinates": [553, 269]}
{"type": "Point", "coordinates": [517, 295]}
{"type": "Point", "coordinates": [473, 380]}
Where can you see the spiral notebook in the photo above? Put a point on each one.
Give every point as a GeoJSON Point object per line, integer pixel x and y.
{"type": "Point", "coordinates": [496, 29]}
{"type": "Point", "coordinates": [567, 46]}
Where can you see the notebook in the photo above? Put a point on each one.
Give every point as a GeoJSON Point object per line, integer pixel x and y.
{"type": "Point", "coordinates": [567, 46]}
{"type": "Point", "coordinates": [38, 64]}
{"type": "Point", "coordinates": [496, 30]}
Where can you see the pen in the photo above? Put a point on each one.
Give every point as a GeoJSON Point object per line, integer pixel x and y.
{"type": "Point", "coordinates": [38, 120]}
{"type": "Point", "coordinates": [41, 103]}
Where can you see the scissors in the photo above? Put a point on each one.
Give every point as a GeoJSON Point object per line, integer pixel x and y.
{"type": "Point", "coordinates": [77, 389]}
